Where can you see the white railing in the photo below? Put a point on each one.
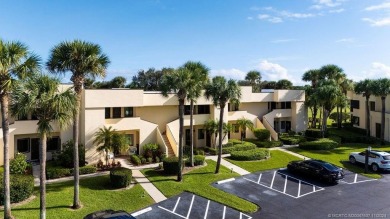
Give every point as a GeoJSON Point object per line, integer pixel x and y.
{"type": "Point", "coordinates": [172, 141]}
{"type": "Point", "coordinates": [274, 134]}
{"type": "Point", "coordinates": [160, 141]}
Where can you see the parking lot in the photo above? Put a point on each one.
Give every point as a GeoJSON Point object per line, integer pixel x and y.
{"type": "Point", "coordinates": [284, 195]}
{"type": "Point", "coordinates": [188, 205]}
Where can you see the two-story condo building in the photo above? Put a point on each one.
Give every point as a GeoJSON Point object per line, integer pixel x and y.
{"type": "Point", "coordinates": [148, 117]}
{"type": "Point", "coordinates": [358, 113]}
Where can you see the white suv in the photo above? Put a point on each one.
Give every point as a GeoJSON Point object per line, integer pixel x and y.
{"type": "Point", "coordinates": [376, 159]}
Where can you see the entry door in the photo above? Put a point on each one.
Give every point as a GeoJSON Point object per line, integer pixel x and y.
{"type": "Point", "coordinates": [188, 137]}
{"type": "Point", "coordinates": [208, 140]}
{"type": "Point", "coordinates": [377, 130]}
{"type": "Point", "coordinates": [35, 149]}
{"type": "Point", "coordinates": [288, 126]}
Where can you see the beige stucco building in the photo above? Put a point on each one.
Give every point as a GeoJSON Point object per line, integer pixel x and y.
{"type": "Point", "coordinates": [148, 117]}
{"type": "Point", "coordinates": [358, 113]}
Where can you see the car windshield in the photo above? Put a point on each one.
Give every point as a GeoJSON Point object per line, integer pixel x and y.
{"type": "Point", "coordinates": [386, 157]}
{"type": "Point", "coordinates": [330, 167]}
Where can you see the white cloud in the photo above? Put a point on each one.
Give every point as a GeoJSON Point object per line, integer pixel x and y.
{"type": "Point", "coordinates": [378, 70]}
{"type": "Point", "coordinates": [275, 20]}
{"type": "Point", "coordinates": [321, 4]}
{"type": "Point", "coordinates": [229, 73]}
{"type": "Point", "coordinates": [384, 5]}
{"type": "Point", "coordinates": [295, 15]}
{"type": "Point", "coordinates": [336, 11]}
{"type": "Point", "coordinates": [346, 40]}
{"type": "Point", "coordinates": [274, 71]}
{"type": "Point", "coordinates": [378, 22]}
{"type": "Point", "coordinates": [283, 40]}
{"type": "Point", "coordinates": [269, 18]}
{"type": "Point", "coordinates": [263, 16]}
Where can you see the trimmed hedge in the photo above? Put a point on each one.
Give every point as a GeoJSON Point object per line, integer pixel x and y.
{"type": "Point", "coordinates": [314, 133]}
{"type": "Point", "coordinates": [268, 144]}
{"type": "Point", "coordinates": [262, 134]}
{"type": "Point", "coordinates": [199, 160]}
{"type": "Point", "coordinates": [171, 165]}
{"type": "Point", "coordinates": [254, 154]}
{"type": "Point", "coordinates": [86, 170]}
{"type": "Point", "coordinates": [55, 172]}
{"type": "Point", "coordinates": [320, 144]}
{"type": "Point", "coordinates": [134, 159]}
{"type": "Point", "coordinates": [235, 141]}
{"type": "Point", "coordinates": [291, 140]}
{"type": "Point", "coordinates": [22, 187]}
{"type": "Point", "coordinates": [239, 147]}
{"type": "Point", "coordinates": [18, 165]}
{"type": "Point", "coordinates": [120, 177]}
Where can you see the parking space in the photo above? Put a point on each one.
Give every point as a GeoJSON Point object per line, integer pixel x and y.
{"type": "Point", "coordinates": [284, 195]}
{"type": "Point", "coordinates": [188, 205]}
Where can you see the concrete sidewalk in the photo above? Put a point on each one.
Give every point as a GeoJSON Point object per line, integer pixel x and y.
{"type": "Point", "coordinates": [228, 165]}
{"type": "Point", "coordinates": [284, 149]}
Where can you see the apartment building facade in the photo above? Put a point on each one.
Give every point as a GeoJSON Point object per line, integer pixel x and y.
{"type": "Point", "coordinates": [358, 113]}
{"type": "Point", "coordinates": [148, 117]}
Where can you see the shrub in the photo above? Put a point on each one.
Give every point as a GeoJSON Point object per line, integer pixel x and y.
{"type": "Point", "coordinates": [143, 160]}
{"type": "Point", "coordinates": [213, 151]}
{"type": "Point", "coordinates": [199, 160]}
{"type": "Point", "coordinates": [229, 144]}
{"type": "Point", "coordinates": [336, 139]}
{"type": "Point", "coordinates": [19, 164]}
{"type": "Point", "coordinates": [265, 144]}
{"type": "Point", "coordinates": [149, 160]}
{"type": "Point", "coordinates": [262, 134]}
{"type": "Point", "coordinates": [254, 154]}
{"type": "Point", "coordinates": [134, 159]}
{"type": "Point", "coordinates": [320, 144]}
{"type": "Point", "coordinates": [65, 157]}
{"type": "Point", "coordinates": [120, 177]}
{"type": "Point", "coordinates": [235, 141]}
{"type": "Point", "coordinates": [199, 152]}
{"type": "Point", "coordinates": [239, 147]}
{"type": "Point", "coordinates": [314, 133]}
{"type": "Point", "coordinates": [157, 160]}
{"type": "Point", "coordinates": [22, 187]}
{"type": "Point", "coordinates": [290, 140]}
{"type": "Point", "coordinates": [57, 172]}
{"type": "Point", "coordinates": [151, 151]}
{"type": "Point", "coordinates": [86, 170]}
{"type": "Point", "coordinates": [171, 165]}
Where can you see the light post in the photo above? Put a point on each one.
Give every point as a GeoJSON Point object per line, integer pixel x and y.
{"type": "Point", "coordinates": [368, 150]}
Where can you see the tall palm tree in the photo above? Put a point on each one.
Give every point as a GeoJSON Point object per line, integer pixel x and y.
{"type": "Point", "coordinates": [15, 62]}
{"type": "Point", "coordinates": [180, 81]}
{"type": "Point", "coordinates": [382, 89]}
{"type": "Point", "coordinates": [311, 100]}
{"type": "Point", "coordinates": [40, 96]}
{"type": "Point", "coordinates": [199, 75]}
{"type": "Point", "coordinates": [82, 59]}
{"type": "Point", "coordinates": [222, 91]}
{"type": "Point", "coordinates": [346, 85]}
{"type": "Point", "coordinates": [366, 88]}
{"type": "Point", "coordinates": [244, 123]}
{"type": "Point", "coordinates": [107, 139]}
{"type": "Point", "coordinates": [254, 78]}
{"type": "Point", "coordinates": [211, 127]}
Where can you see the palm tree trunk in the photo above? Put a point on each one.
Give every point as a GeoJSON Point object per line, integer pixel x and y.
{"type": "Point", "coordinates": [324, 122]}
{"type": "Point", "coordinates": [6, 178]}
{"type": "Point", "coordinates": [192, 134]}
{"type": "Point", "coordinates": [320, 119]}
{"type": "Point", "coordinates": [76, 198]}
{"type": "Point", "coordinates": [42, 175]}
{"type": "Point", "coordinates": [345, 112]}
{"type": "Point", "coordinates": [222, 107]}
{"type": "Point", "coordinates": [368, 128]}
{"type": "Point", "coordinates": [338, 117]}
{"type": "Point", "coordinates": [314, 119]}
{"type": "Point", "coordinates": [341, 116]}
{"type": "Point", "coordinates": [181, 130]}
{"type": "Point", "coordinates": [383, 98]}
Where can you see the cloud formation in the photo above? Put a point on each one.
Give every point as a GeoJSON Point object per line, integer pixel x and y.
{"type": "Point", "coordinates": [346, 40]}
{"type": "Point", "coordinates": [384, 20]}
{"type": "Point", "coordinates": [274, 71]}
{"type": "Point", "coordinates": [232, 73]}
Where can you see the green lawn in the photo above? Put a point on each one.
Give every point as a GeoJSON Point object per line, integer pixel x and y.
{"type": "Point", "coordinates": [278, 159]}
{"type": "Point", "coordinates": [199, 182]}
{"type": "Point", "coordinates": [94, 196]}
{"type": "Point", "coordinates": [340, 155]}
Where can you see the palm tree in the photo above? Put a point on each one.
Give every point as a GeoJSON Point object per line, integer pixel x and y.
{"type": "Point", "coordinates": [199, 75]}
{"type": "Point", "coordinates": [82, 59]}
{"type": "Point", "coordinates": [244, 123]}
{"type": "Point", "coordinates": [346, 85]}
{"type": "Point", "coordinates": [254, 78]}
{"type": "Point", "coordinates": [311, 100]}
{"type": "Point", "coordinates": [284, 84]}
{"type": "Point", "coordinates": [40, 96]}
{"type": "Point", "coordinates": [366, 88]}
{"type": "Point", "coordinates": [15, 61]}
{"type": "Point", "coordinates": [227, 128]}
{"type": "Point", "coordinates": [222, 91]}
{"type": "Point", "coordinates": [211, 127]}
{"type": "Point", "coordinates": [180, 82]}
{"type": "Point", "coordinates": [382, 89]}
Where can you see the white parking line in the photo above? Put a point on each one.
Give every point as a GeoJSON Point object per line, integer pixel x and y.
{"type": "Point", "coordinates": [177, 202]}
{"type": "Point", "coordinates": [273, 178]}
{"type": "Point", "coordinates": [224, 211]}
{"type": "Point", "coordinates": [285, 184]}
{"type": "Point", "coordinates": [299, 189]}
{"type": "Point", "coordinates": [207, 209]}
{"type": "Point", "coordinates": [135, 214]}
{"type": "Point", "coordinates": [242, 214]}
{"type": "Point", "coordinates": [258, 181]}
{"type": "Point", "coordinates": [355, 180]}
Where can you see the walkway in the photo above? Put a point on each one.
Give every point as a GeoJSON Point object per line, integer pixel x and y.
{"type": "Point", "coordinates": [143, 181]}
{"type": "Point", "coordinates": [284, 149]}
{"type": "Point", "coordinates": [229, 165]}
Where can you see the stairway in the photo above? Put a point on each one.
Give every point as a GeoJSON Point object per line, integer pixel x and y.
{"type": "Point", "coordinates": [170, 152]}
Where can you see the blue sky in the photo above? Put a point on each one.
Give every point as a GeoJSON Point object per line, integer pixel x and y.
{"type": "Point", "coordinates": [282, 39]}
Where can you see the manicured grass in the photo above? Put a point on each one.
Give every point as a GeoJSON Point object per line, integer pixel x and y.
{"type": "Point", "coordinates": [339, 156]}
{"type": "Point", "coordinates": [199, 182]}
{"type": "Point", "coordinates": [95, 194]}
{"type": "Point", "coordinates": [278, 159]}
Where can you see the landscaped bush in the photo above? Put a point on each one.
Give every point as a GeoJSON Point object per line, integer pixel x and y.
{"type": "Point", "coordinates": [265, 144]}
{"type": "Point", "coordinates": [262, 134]}
{"type": "Point", "coordinates": [336, 139]}
{"type": "Point", "coordinates": [314, 133]}
{"type": "Point", "coordinates": [86, 170]}
{"type": "Point", "coordinates": [151, 151]}
{"type": "Point", "coordinates": [320, 144]}
{"type": "Point", "coordinates": [254, 154]}
{"type": "Point", "coordinates": [229, 144]}
{"type": "Point", "coordinates": [134, 159]}
{"type": "Point", "coordinates": [239, 147]}
{"type": "Point", "coordinates": [22, 187]}
{"type": "Point", "coordinates": [57, 172]}
{"type": "Point", "coordinates": [352, 135]}
{"type": "Point", "coordinates": [65, 157]}
{"type": "Point", "coordinates": [120, 177]}
{"type": "Point", "coordinates": [199, 160]}
{"type": "Point", "coordinates": [235, 141]}
{"type": "Point", "coordinates": [291, 140]}
{"type": "Point", "coordinates": [171, 165]}
{"type": "Point", "coordinates": [18, 165]}
{"type": "Point", "coordinates": [199, 152]}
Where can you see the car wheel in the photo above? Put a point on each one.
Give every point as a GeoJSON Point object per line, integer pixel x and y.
{"type": "Point", "coordinates": [352, 159]}
{"type": "Point", "coordinates": [375, 167]}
